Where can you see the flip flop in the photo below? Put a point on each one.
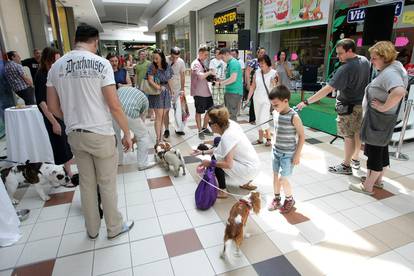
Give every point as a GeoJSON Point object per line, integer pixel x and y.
{"type": "Point", "coordinates": [248, 187]}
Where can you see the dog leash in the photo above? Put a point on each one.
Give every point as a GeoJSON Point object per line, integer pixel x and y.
{"type": "Point", "coordinates": [10, 161]}
{"type": "Point", "coordinates": [217, 188]}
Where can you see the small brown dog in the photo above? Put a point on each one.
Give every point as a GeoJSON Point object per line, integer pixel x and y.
{"type": "Point", "coordinates": [234, 234]}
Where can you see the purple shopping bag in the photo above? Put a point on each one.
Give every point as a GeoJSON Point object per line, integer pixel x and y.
{"type": "Point", "coordinates": [206, 195]}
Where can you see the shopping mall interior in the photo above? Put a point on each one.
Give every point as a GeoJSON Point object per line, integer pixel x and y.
{"type": "Point", "coordinates": [182, 77]}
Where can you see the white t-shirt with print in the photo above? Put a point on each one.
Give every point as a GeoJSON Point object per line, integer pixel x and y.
{"type": "Point", "coordinates": [246, 162]}
{"type": "Point", "coordinates": [78, 78]}
{"type": "Point", "coordinates": [178, 67]}
{"type": "Point", "coordinates": [219, 67]}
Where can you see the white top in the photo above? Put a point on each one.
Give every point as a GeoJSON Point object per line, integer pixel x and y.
{"type": "Point", "coordinates": [242, 65]}
{"type": "Point", "coordinates": [178, 67]}
{"type": "Point", "coordinates": [245, 161]}
{"type": "Point", "coordinates": [78, 78]}
{"type": "Point", "coordinates": [260, 94]}
{"type": "Point", "coordinates": [219, 67]}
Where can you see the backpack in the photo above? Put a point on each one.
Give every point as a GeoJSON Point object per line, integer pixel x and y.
{"type": "Point", "coordinates": [205, 194]}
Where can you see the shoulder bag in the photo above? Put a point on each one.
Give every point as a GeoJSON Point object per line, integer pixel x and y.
{"type": "Point", "coordinates": [267, 90]}
{"type": "Point", "coordinates": [148, 88]}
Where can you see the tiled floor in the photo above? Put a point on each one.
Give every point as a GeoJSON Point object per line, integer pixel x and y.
{"type": "Point", "coordinates": [332, 231]}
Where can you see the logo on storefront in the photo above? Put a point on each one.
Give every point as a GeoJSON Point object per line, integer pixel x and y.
{"type": "Point", "coordinates": [358, 14]}
{"type": "Point", "coordinates": [225, 18]}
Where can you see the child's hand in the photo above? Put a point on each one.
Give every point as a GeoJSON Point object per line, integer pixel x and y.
{"type": "Point", "coordinates": [296, 159]}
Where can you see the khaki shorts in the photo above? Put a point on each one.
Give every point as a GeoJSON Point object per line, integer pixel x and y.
{"type": "Point", "coordinates": [349, 125]}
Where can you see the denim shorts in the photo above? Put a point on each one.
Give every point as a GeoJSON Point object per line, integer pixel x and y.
{"type": "Point", "coordinates": [282, 163]}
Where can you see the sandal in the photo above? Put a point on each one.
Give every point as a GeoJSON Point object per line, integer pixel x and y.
{"type": "Point", "coordinates": [268, 142]}
{"type": "Point", "coordinates": [257, 142]}
{"type": "Point", "coordinates": [248, 186]}
{"type": "Point", "coordinates": [376, 185]}
{"type": "Point", "coordinates": [222, 195]}
{"type": "Point", "coordinates": [359, 188]}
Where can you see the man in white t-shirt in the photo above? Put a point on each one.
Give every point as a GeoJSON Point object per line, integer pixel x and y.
{"type": "Point", "coordinates": [235, 53]}
{"type": "Point", "coordinates": [178, 82]}
{"type": "Point", "coordinates": [81, 91]}
{"type": "Point", "coordinates": [218, 66]}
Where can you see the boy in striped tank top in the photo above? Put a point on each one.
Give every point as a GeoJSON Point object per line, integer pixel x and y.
{"type": "Point", "coordinates": [288, 143]}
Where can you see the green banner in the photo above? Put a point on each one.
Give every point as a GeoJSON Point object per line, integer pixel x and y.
{"type": "Point", "coordinates": [277, 15]}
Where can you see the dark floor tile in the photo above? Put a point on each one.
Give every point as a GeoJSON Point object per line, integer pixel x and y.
{"type": "Point", "coordinates": [59, 198]}
{"type": "Point", "coordinates": [43, 268]}
{"type": "Point", "coordinates": [191, 159]}
{"type": "Point", "coordinates": [382, 194]}
{"type": "Point", "coordinates": [278, 266]}
{"type": "Point", "coordinates": [295, 217]}
{"type": "Point", "coordinates": [159, 182]}
{"type": "Point", "coordinates": [313, 141]}
{"type": "Point", "coordinates": [182, 242]}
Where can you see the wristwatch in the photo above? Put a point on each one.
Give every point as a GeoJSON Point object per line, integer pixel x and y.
{"type": "Point", "coordinates": [306, 102]}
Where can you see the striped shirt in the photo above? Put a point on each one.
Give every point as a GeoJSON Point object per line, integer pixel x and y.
{"type": "Point", "coordinates": [133, 101]}
{"type": "Point", "coordinates": [14, 74]}
{"type": "Point", "coordinates": [285, 141]}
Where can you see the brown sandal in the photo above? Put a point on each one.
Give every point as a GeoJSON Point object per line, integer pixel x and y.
{"type": "Point", "coordinates": [248, 187]}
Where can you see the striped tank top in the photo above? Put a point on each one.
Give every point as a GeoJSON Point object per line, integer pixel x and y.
{"type": "Point", "coordinates": [285, 131]}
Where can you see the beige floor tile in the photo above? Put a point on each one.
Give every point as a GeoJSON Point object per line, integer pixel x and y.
{"type": "Point", "coordinates": [222, 208]}
{"type": "Point", "coordinates": [389, 235]}
{"type": "Point", "coordinates": [403, 223]}
{"type": "Point", "coordinates": [259, 248]}
{"type": "Point", "coordinates": [246, 271]}
{"type": "Point", "coordinates": [302, 264]}
{"type": "Point", "coordinates": [252, 227]}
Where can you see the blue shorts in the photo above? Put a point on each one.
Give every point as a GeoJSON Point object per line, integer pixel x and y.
{"type": "Point", "coordinates": [282, 163]}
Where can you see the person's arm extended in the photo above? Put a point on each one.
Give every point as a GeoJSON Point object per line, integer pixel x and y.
{"type": "Point", "coordinates": [393, 99]}
{"type": "Point", "coordinates": [287, 68]}
{"type": "Point", "coordinates": [233, 78]}
{"type": "Point", "coordinates": [317, 96]}
{"type": "Point", "coordinates": [111, 98]}
{"type": "Point", "coordinates": [251, 91]}
{"type": "Point", "coordinates": [53, 102]}
{"type": "Point", "coordinates": [227, 163]}
{"type": "Point", "coordinates": [301, 139]}
{"type": "Point", "coordinates": [247, 76]}
{"type": "Point", "coordinates": [182, 75]}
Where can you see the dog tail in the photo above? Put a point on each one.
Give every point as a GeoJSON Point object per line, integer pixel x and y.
{"type": "Point", "coordinates": [228, 254]}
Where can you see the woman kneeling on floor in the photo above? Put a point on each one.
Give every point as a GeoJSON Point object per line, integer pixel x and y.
{"type": "Point", "coordinates": [234, 156]}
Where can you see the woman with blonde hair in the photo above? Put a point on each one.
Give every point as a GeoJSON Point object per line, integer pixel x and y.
{"type": "Point", "coordinates": [234, 156]}
{"type": "Point", "coordinates": [381, 105]}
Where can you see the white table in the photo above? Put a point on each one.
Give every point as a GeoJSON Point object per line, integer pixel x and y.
{"type": "Point", "coordinates": [27, 138]}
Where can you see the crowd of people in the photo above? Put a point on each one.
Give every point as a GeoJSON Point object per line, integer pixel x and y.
{"type": "Point", "coordinates": [86, 106]}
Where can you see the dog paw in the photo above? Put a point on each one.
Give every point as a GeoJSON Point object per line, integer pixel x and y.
{"type": "Point", "coordinates": [46, 198]}
{"type": "Point", "coordinates": [247, 235]}
{"type": "Point", "coordinates": [15, 201]}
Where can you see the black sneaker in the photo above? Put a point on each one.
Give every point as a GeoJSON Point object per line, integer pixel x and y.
{"type": "Point", "coordinates": [180, 133]}
{"type": "Point", "coordinates": [207, 132]}
{"type": "Point", "coordinates": [166, 134]}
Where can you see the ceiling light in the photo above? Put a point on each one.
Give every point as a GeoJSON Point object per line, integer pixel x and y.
{"type": "Point", "coordinates": [136, 2]}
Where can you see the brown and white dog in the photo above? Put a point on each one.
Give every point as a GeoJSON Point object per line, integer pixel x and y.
{"type": "Point", "coordinates": [168, 157]}
{"type": "Point", "coordinates": [37, 174]}
{"type": "Point", "coordinates": [234, 233]}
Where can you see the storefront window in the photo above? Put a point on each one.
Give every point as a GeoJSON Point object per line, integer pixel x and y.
{"type": "Point", "coordinates": [182, 38]}
{"type": "Point", "coordinates": [164, 40]}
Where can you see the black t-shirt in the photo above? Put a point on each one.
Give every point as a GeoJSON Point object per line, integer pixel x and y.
{"type": "Point", "coordinates": [33, 66]}
{"type": "Point", "coordinates": [40, 87]}
{"type": "Point", "coordinates": [351, 79]}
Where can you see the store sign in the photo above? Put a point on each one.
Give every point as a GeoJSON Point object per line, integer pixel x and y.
{"type": "Point", "coordinates": [408, 17]}
{"type": "Point", "coordinates": [358, 14]}
{"type": "Point", "coordinates": [225, 18]}
{"type": "Point", "coordinates": [277, 15]}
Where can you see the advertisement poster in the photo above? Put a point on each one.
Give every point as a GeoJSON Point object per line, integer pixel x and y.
{"type": "Point", "coordinates": [277, 15]}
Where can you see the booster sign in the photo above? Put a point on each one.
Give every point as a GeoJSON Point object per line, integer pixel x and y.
{"type": "Point", "coordinates": [358, 14]}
